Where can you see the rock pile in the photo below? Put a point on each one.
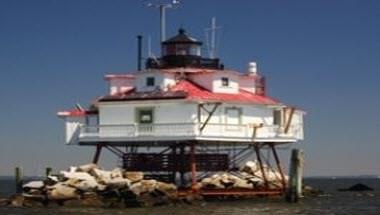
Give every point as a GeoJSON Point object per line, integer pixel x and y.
{"type": "Point", "coordinates": [89, 185]}
{"type": "Point", "coordinates": [249, 177]}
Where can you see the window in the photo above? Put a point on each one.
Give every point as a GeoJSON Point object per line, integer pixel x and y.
{"type": "Point", "coordinates": [225, 82]}
{"type": "Point", "coordinates": [144, 115]}
{"type": "Point", "coordinates": [150, 81]}
{"type": "Point", "coordinates": [233, 117]}
{"type": "Point", "coordinates": [182, 49]}
{"type": "Point", "coordinates": [277, 117]}
{"type": "Point", "coordinates": [92, 120]}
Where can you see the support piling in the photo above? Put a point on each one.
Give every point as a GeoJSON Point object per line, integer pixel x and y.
{"type": "Point", "coordinates": [48, 170]}
{"type": "Point", "coordinates": [18, 179]}
{"type": "Point", "coordinates": [294, 191]}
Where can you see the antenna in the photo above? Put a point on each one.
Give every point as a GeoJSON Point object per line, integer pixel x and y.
{"type": "Point", "coordinates": [211, 44]}
{"type": "Point", "coordinates": [139, 52]}
{"type": "Point", "coordinates": [162, 7]}
{"type": "Point", "coordinates": [150, 54]}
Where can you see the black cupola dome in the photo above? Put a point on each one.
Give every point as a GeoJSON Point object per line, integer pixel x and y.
{"type": "Point", "coordinates": [182, 51]}
{"type": "Point", "coordinates": [181, 44]}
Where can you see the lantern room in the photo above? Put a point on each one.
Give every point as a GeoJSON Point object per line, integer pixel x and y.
{"type": "Point", "coordinates": [182, 51]}
{"type": "Point", "coordinates": [182, 45]}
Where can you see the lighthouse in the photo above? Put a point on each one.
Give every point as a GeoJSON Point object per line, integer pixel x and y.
{"type": "Point", "coordinates": [184, 117]}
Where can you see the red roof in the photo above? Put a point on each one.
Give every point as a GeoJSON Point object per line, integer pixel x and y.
{"type": "Point", "coordinates": [188, 90]}
{"type": "Point", "coordinates": [132, 95]}
{"type": "Point", "coordinates": [76, 112]}
{"type": "Point", "coordinates": [198, 93]}
{"type": "Point", "coordinates": [119, 76]}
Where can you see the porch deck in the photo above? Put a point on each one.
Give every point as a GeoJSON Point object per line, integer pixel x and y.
{"type": "Point", "coordinates": [187, 131]}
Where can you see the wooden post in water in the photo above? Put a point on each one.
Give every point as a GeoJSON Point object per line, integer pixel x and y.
{"type": "Point", "coordinates": [294, 191]}
{"type": "Point", "coordinates": [18, 179]}
{"type": "Point", "coordinates": [48, 170]}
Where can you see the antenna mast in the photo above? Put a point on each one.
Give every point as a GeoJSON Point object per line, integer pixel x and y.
{"type": "Point", "coordinates": [212, 31]}
{"type": "Point", "coordinates": [162, 7]}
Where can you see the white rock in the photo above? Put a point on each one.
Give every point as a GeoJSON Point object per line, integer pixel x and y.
{"type": "Point", "coordinates": [84, 185]}
{"type": "Point", "coordinates": [87, 167]}
{"type": "Point", "coordinates": [134, 176]}
{"type": "Point", "coordinates": [143, 186]}
{"type": "Point", "coordinates": [213, 181]}
{"type": "Point", "coordinates": [252, 164]}
{"type": "Point", "coordinates": [78, 175]}
{"type": "Point", "coordinates": [241, 183]}
{"type": "Point", "coordinates": [168, 189]}
{"type": "Point", "coordinates": [101, 175]}
{"type": "Point", "coordinates": [60, 191]}
{"type": "Point", "coordinates": [34, 185]}
{"type": "Point", "coordinates": [73, 169]}
{"type": "Point", "coordinates": [118, 183]}
{"type": "Point", "coordinates": [116, 173]}
{"type": "Point", "coordinates": [53, 178]}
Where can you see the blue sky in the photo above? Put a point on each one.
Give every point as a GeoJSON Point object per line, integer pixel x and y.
{"type": "Point", "coordinates": [322, 56]}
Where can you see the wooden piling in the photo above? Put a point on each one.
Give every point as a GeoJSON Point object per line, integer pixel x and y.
{"type": "Point", "coordinates": [48, 170]}
{"type": "Point", "coordinates": [18, 179]}
{"type": "Point", "coordinates": [294, 191]}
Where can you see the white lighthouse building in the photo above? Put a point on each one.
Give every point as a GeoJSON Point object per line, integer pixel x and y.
{"type": "Point", "coordinates": [186, 106]}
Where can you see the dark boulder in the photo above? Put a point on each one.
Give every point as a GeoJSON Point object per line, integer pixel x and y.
{"type": "Point", "coordinates": [357, 187]}
{"type": "Point", "coordinates": [17, 200]}
{"type": "Point", "coordinates": [4, 202]}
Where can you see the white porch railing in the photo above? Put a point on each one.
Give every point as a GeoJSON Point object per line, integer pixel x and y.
{"type": "Point", "coordinates": [211, 130]}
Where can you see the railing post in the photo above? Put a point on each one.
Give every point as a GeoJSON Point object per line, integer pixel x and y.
{"type": "Point", "coordinates": [136, 130]}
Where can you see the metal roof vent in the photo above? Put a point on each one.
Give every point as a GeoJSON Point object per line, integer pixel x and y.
{"type": "Point", "coordinates": [252, 68]}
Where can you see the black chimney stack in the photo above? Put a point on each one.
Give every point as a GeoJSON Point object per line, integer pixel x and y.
{"type": "Point", "coordinates": [139, 52]}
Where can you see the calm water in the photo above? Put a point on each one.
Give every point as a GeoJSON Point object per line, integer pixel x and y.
{"type": "Point", "coordinates": [332, 202]}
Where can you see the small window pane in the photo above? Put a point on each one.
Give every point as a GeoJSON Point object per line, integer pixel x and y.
{"type": "Point", "coordinates": [233, 116]}
{"type": "Point", "coordinates": [145, 116]}
{"type": "Point", "coordinates": [150, 81]}
{"type": "Point", "coordinates": [277, 117]}
{"type": "Point", "coordinates": [225, 82]}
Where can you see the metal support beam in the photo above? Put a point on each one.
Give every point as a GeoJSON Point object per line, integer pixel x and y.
{"type": "Point", "coordinates": [210, 113]}
{"type": "Point", "coordinates": [182, 165]}
{"type": "Point", "coordinates": [242, 155]}
{"type": "Point", "coordinates": [174, 152]}
{"type": "Point", "coordinates": [258, 155]}
{"type": "Point", "coordinates": [279, 167]}
{"type": "Point", "coordinates": [115, 150]}
{"type": "Point", "coordinates": [193, 167]}
{"type": "Point", "coordinates": [95, 160]}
